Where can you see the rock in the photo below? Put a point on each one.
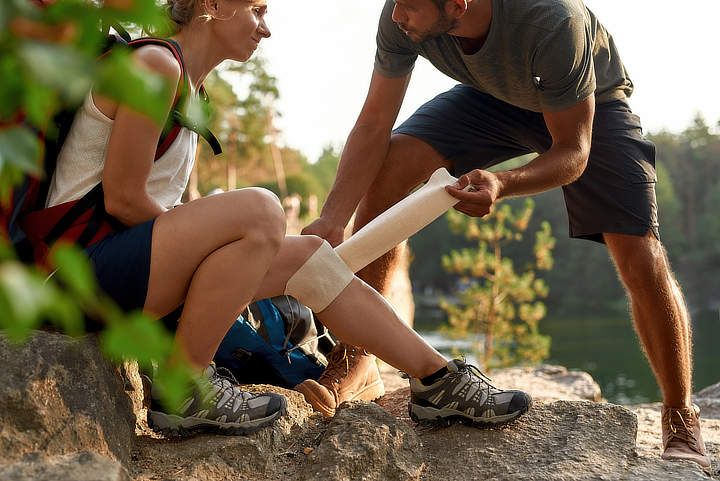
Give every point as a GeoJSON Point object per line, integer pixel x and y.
{"type": "Point", "coordinates": [82, 466]}
{"type": "Point", "coordinates": [563, 440]}
{"type": "Point", "coordinates": [709, 401]}
{"type": "Point", "coordinates": [656, 470]}
{"type": "Point", "coordinates": [59, 396]}
{"type": "Point", "coordinates": [549, 383]}
{"type": "Point", "coordinates": [365, 442]}
{"type": "Point", "coordinates": [215, 457]}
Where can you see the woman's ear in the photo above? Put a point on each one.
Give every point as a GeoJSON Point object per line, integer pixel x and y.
{"type": "Point", "coordinates": [211, 8]}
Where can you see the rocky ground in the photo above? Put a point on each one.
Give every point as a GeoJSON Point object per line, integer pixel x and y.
{"type": "Point", "coordinates": [66, 414]}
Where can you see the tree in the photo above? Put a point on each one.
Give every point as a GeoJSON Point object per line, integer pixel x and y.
{"type": "Point", "coordinates": [497, 302]}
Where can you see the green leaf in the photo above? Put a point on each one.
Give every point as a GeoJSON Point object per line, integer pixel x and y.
{"type": "Point", "coordinates": [74, 270]}
{"type": "Point", "coordinates": [39, 102]}
{"type": "Point", "coordinates": [23, 297]}
{"type": "Point", "coordinates": [60, 67]}
{"type": "Point", "coordinates": [20, 147]}
{"type": "Point", "coordinates": [123, 80]}
{"type": "Point", "coordinates": [65, 313]}
{"type": "Point", "coordinates": [175, 383]}
{"type": "Point", "coordinates": [138, 337]}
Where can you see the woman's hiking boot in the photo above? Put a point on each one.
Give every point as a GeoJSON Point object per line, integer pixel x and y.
{"type": "Point", "coordinates": [464, 394]}
{"type": "Point", "coordinates": [681, 435]}
{"type": "Point", "coordinates": [351, 374]}
{"type": "Point", "coordinates": [223, 409]}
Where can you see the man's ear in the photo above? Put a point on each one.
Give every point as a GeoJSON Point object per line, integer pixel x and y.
{"type": "Point", "coordinates": [456, 8]}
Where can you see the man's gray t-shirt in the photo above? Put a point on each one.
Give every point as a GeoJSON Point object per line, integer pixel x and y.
{"type": "Point", "coordinates": [539, 55]}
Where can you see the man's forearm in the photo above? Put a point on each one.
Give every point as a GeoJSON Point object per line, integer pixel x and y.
{"type": "Point", "coordinates": [557, 167]}
{"type": "Point", "coordinates": [362, 158]}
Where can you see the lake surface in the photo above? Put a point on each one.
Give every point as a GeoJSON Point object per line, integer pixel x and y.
{"type": "Point", "coordinates": [609, 350]}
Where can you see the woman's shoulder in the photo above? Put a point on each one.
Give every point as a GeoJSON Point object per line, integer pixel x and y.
{"type": "Point", "coordinates": [160, 60]}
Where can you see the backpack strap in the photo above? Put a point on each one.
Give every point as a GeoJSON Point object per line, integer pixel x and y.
{"type": "Point", "coordinates": [177, 120]}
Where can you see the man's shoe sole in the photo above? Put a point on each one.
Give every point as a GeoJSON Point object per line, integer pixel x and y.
{"type": "Point", "coordinates": [368, 394]}
{"type": "Point", "coordinates": [177, 426]}
{"type": "Point", "coordinates": [444, 416]}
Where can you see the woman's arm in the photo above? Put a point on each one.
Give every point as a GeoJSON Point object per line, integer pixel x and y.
{"type": "Point", "coordinates": [132, 145]}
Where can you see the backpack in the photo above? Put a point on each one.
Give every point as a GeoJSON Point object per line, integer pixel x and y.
{"type": "Point", "coordinates": [275, 341]}
{"type": "Point", "coordinates": [31, 228]}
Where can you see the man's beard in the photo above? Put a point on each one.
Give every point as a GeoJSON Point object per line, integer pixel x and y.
{"type": "Point", "coordinates": [441, 27]}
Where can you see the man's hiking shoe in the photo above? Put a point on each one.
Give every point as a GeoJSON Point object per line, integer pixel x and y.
{"type": "Point", "coordinates": [352, 374]}
{"type": "Point", "coordinates": [223, 409]}
{"type": "Point", "coordinates": [681, 435]}
{"type": "Point", "coordinates": [465, 394]}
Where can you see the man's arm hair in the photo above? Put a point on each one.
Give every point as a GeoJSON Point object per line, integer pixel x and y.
{"type": "Point", "coordinates": [564, 162]}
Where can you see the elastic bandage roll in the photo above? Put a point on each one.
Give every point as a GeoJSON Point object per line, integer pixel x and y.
{"type": "Point", "coordinates": [399, 222]}
{"type": "Point", "coordinates": [320, 280]}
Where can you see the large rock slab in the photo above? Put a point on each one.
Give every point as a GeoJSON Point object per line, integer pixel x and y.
{"type": "Point", "coordinates": [549, 383]}
{"type": "Point", "coordinates": [82, 466]}
{"type": "Point", "coordinates": [272, 452]}
{"type": "Point", "coordinates": [709, 401]}
{"type": "Point", "coordinates": [365, 442]}
{"type": "Point", "coordinates": [58, 396]}
{"type": "Point", "coordinates": [561, 441]}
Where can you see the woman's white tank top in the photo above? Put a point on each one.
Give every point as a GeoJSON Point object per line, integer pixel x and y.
{"type": "Point", "coordinates": [81, 161]}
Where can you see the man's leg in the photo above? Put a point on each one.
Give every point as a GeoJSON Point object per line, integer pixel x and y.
{"type": "Point", "coordinates": [352, 373]}
{"type": "Point", "coordinates": [658, 308]}
{"type": "Point", "coordinates": [663, 325]}
{"type": "Point", "coordinates": [409, 162]}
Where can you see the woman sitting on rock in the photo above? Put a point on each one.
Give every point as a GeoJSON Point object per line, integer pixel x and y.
{"type": "Point", "coordinates": [215, 255]}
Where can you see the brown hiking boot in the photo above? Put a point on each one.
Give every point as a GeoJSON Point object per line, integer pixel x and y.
{"type": "Point", "coordinates": [352, 374]}
{"type": "Point", "coordinates": [681, 435]}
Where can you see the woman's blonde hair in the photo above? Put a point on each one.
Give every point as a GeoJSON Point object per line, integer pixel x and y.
{"type": "Point", "coordinates": [181, 11]}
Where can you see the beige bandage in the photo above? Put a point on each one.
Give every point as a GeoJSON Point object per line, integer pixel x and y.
{"type": "Point", "coordinates": [398, 222]}
{"type": "Point", "coordinates": [320, 280]}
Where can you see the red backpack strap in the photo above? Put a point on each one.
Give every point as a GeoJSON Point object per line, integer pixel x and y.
{"type": "Point", "coordinates": [168, 136]}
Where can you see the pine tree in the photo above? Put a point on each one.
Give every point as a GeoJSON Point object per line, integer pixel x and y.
{"type": "Point", "coordinates": [497, 302]}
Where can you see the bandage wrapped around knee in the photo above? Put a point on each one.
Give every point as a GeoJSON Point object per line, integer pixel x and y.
{"type": "Point", "coordinates": [399, 222]}
{"type": "Point", "coordinates": [320, 280]}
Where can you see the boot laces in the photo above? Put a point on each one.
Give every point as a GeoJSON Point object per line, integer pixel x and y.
{"type": "Point", "coordinates": [682, 431]}
{"type": "Point", "coordinates": [336, 366]}
{"type": "Point", "coordinates": [474, 377]}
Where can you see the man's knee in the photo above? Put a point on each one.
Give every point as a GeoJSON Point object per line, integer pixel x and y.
{"type": "Point", "coordinates": [641, 261]}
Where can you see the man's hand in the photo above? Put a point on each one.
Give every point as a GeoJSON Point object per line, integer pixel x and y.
{"type": "Point", "coordinates": [331, 232]}
{"type": "Point", "coordinates": [476, 201]}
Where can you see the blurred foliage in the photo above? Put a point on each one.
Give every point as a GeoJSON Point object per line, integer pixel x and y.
{"type": "Point", "coordinates": [48, 63]}
{"type": "Point", "coordinates": [495, 301]}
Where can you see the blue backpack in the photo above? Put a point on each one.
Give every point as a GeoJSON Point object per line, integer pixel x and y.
{"type": "Point", "coordinates": [276, 341]}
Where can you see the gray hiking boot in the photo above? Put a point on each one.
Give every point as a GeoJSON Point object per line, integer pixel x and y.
{"type": "Point", "coordinates": [465, 395]}
{"type": "Point", "coordinates": [224, 409]}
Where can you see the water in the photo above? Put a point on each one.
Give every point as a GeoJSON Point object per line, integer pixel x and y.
{"type": "Point", "coordinates": [609, 350]}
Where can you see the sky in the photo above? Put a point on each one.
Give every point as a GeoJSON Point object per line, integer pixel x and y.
{"type": "Point", "coordinates": [322, 54]}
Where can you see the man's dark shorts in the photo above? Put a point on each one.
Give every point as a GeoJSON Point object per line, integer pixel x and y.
{"type": "Point", "coordinates": [615, 194]}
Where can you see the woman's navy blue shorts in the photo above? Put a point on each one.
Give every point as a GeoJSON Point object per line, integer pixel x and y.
{"type": "Point", "coordinates": [122, 264]}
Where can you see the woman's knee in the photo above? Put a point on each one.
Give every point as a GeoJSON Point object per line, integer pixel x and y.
{"type": "Point", "coordinates": [263, 219]}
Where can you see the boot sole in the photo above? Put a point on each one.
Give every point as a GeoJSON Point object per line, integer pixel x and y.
{"type": "Point", "coordinates": [368, 394]}
{"type": "Point", "coordinates": [447, 417]}
{"type": "Point", "coordinates": [176, 426]}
